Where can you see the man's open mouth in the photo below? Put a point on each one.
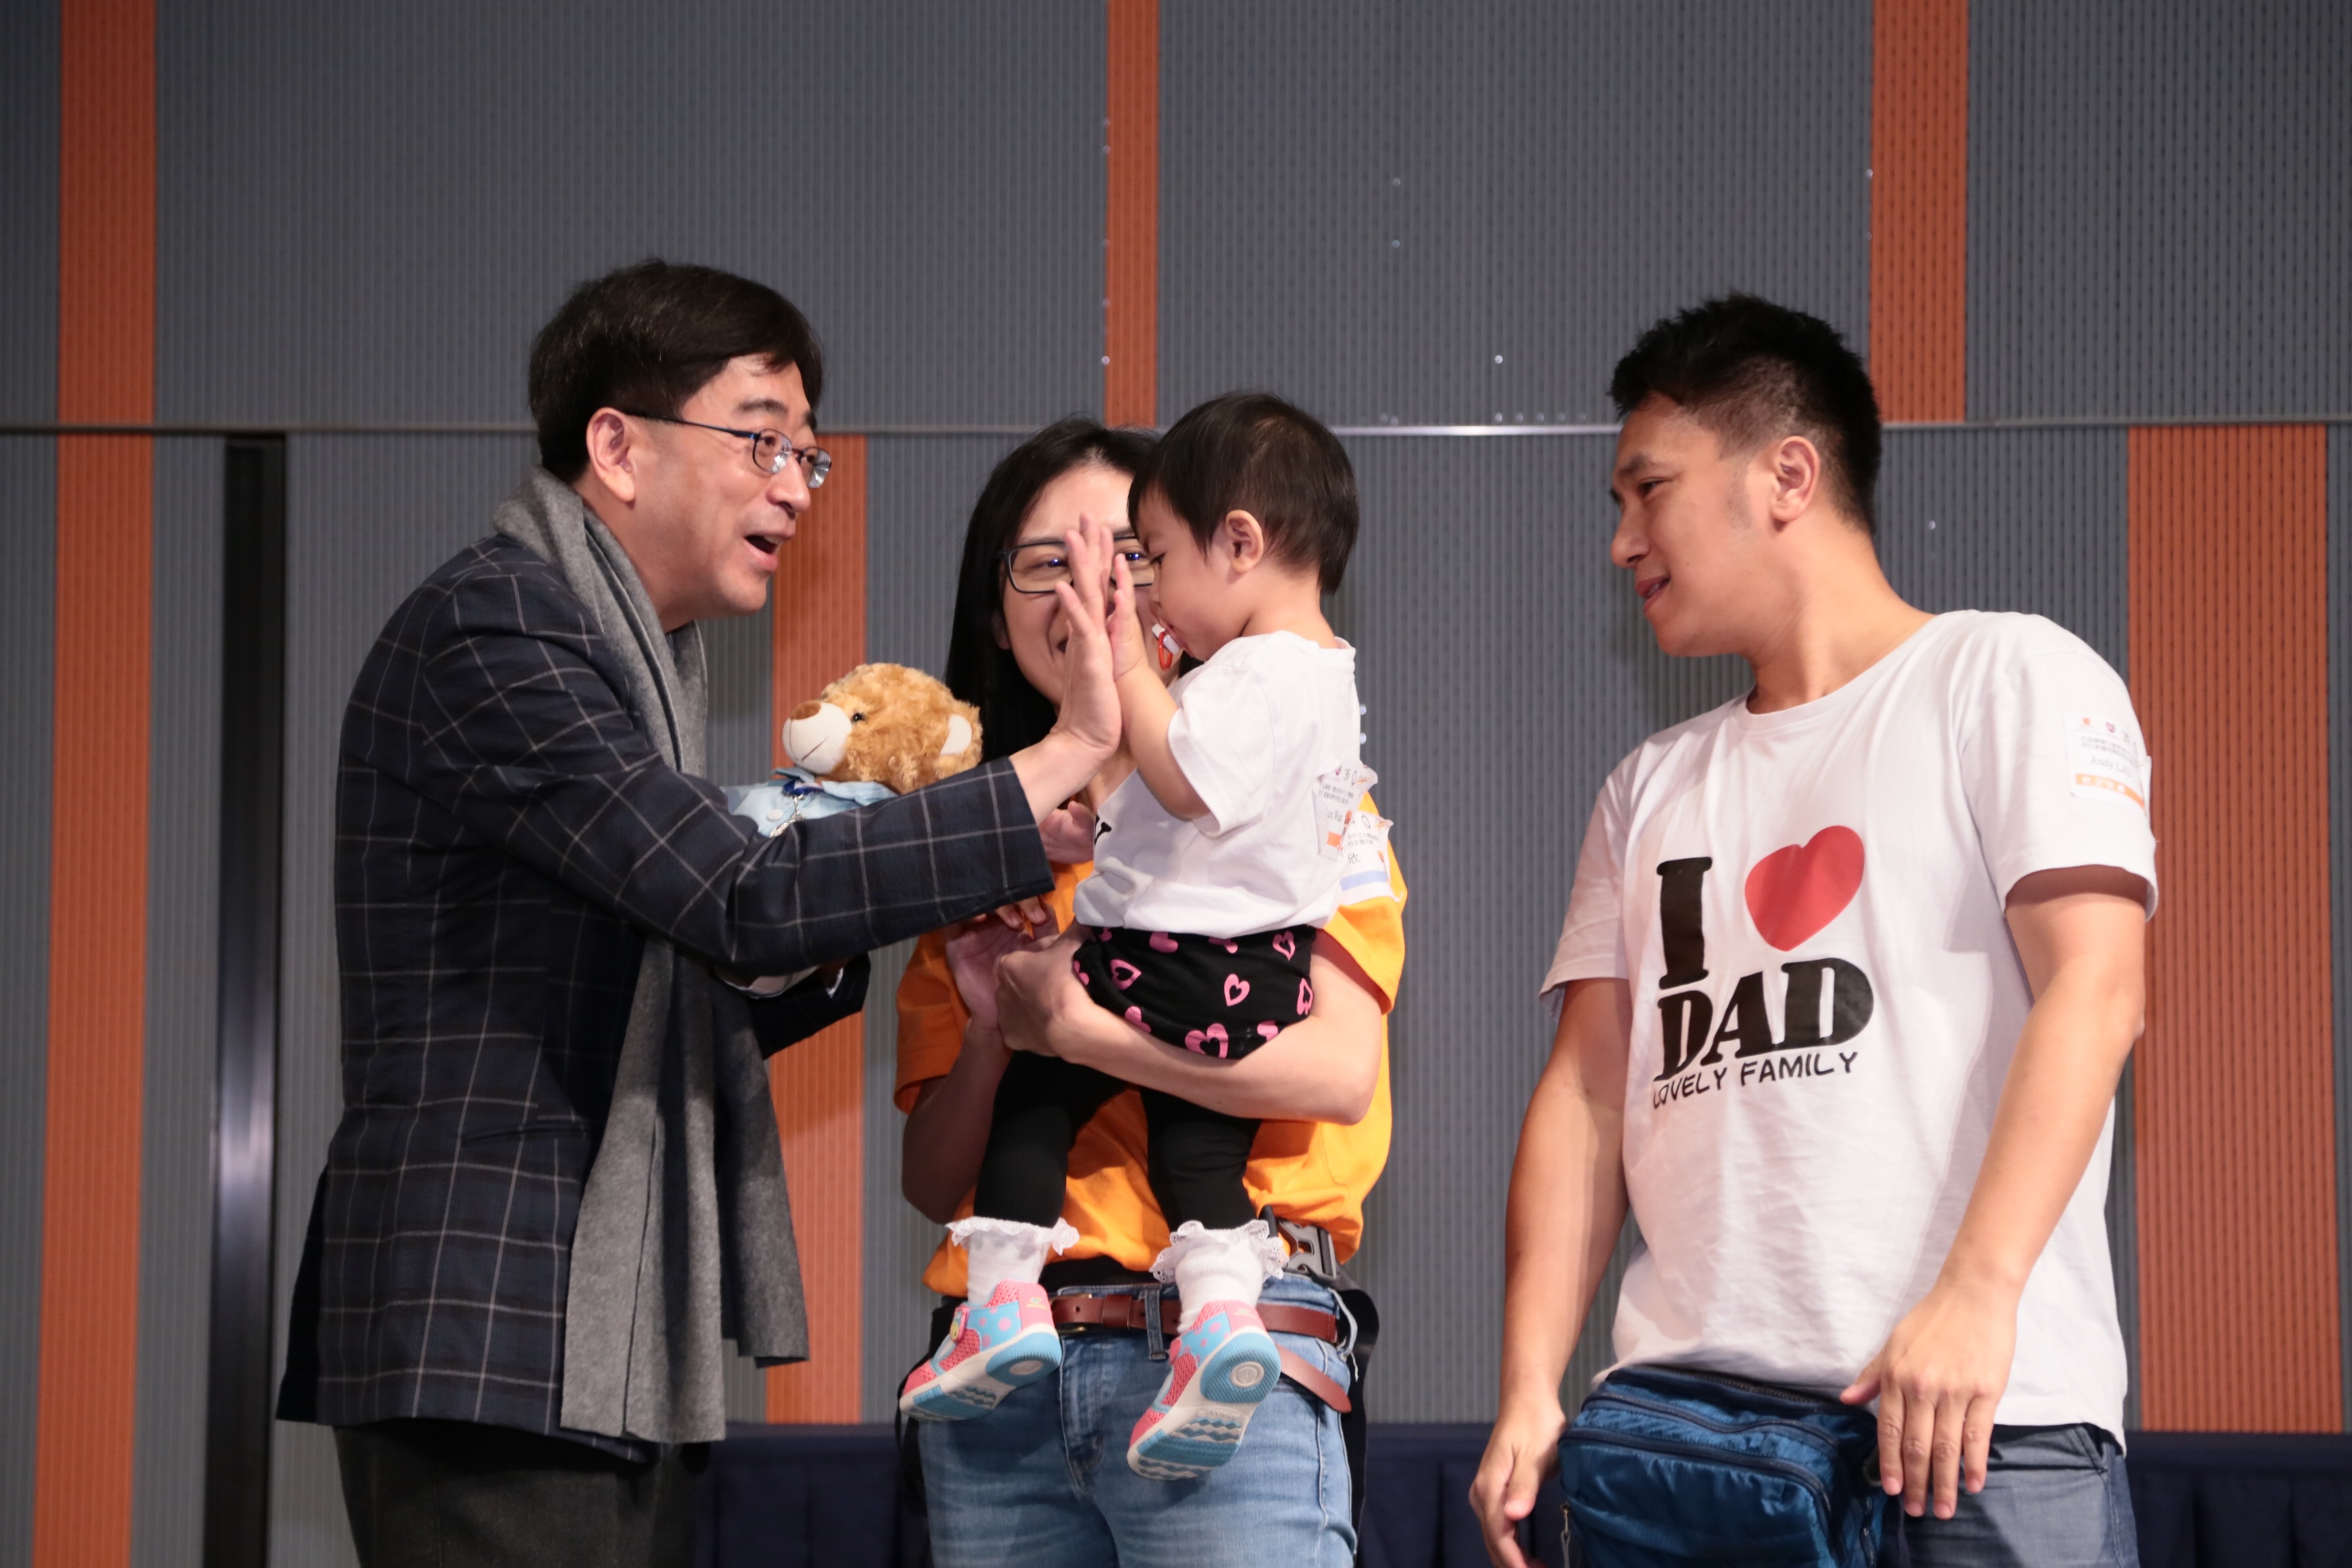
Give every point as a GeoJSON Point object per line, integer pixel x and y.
{"type": "Point", "coordinates": [1653, 588]}
{"type": "Point", "coordinates": [765, 543]}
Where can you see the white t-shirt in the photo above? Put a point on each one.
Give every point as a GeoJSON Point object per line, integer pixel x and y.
{"type": "Point", "coordinates": [1798, 1179]}
{"type": "Point", "coordinates": [1266, 733]}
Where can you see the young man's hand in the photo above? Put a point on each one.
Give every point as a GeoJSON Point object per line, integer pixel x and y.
{"type": "Point", "coordinates": [1938, 1382]}
{"type": "Point", "coordinates": [1938, 1379]}
{"type": "Point", "coordinates": [1523, 1450]}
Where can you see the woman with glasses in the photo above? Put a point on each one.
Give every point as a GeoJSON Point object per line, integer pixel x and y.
{"type": "Point", "coordinates": [1046, 1481]}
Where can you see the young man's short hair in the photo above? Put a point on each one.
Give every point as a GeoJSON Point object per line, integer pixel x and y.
{"type": "Point", "coordinates": [1250, 451]}
{"type": "Point", "coordinates": [1752, 372]}
{"type": "Point", "coordinates": [646, 338]}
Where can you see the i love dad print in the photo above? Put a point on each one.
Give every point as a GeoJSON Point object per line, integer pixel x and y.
{"type": "Point", "coordinates": [1717, 1039]}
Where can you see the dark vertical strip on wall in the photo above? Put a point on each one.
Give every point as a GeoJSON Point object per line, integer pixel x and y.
{"type": "Point", "coordinates": [2229, 669]}
{"type": "Point", "coordinates": [2339, 843]}
{"type": "Point", "coordinates": [98, 881]}
{"type": "Point", "coordinates": [250, 700]}
{"type": "Point", "coordinates": [1131, 234]}
{"type": "Point", "coordinates": [1919, 207]}
{"type": "Point", "coordinates": [183, 901]}
{"type": "Point", "coordinates": [29, 126]}
{"type": "Point", "coordinates": [27, 650]}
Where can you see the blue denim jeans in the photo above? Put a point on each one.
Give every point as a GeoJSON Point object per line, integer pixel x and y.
{"type": "Point", "coordinates": [1043, 1479]}
{"type": "Point", "coordinates": [2054, 1497]}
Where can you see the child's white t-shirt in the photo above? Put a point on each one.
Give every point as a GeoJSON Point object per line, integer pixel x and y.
{"type": "Point", "coordinates": [1797, 1179]}
{"type": "Point", "coordinates": [1255, 728]}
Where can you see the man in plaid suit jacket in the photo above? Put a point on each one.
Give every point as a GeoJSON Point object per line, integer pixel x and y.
{"type": "Point", "coordinates": [514, 826]}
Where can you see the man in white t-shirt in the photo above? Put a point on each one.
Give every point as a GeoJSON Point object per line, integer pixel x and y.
{"type": "Point", "coordinates": [1850, 970]}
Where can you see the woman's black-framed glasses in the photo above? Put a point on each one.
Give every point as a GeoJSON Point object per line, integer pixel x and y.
{"type": "Point", "coordinates": [769, 448]}
{"type": "Point", "coordinates": [1041, 568]}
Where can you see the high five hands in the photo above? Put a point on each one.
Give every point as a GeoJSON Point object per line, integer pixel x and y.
{"type": "Point", "coordinates": [1096, 559]}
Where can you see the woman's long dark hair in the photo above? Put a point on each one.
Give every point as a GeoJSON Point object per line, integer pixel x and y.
{"type": "Point", "coordinates": [1014, 713]}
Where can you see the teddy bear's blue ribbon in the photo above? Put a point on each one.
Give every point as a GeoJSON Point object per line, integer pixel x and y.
{"type": "Point", "coordinates": [792, 793]}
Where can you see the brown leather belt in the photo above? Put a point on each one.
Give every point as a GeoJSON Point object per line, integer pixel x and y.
{"type": "Point", "coordinates": [1124, 1310]}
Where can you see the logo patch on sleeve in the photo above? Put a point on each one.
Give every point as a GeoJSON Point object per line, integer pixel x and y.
{"type": "Point", "coordinates": [2103, 760]}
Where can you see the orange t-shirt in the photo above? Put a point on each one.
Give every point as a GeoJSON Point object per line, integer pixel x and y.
{"type": "Point", "coordinates": [1313, 1173]}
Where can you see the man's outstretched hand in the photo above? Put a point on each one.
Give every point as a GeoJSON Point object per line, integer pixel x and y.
{"type": "Point", "coordinates": [1523, 1450]}
{"type": "Point", "coordinates": [1938, 1382]}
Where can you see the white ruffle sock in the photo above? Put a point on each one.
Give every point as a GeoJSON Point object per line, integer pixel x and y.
{"type": "Point", "coordinates": [1218, 1266]}
{"type": "Point", "coordinates": [996, 1250]}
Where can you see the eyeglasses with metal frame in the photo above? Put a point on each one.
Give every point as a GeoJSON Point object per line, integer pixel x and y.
{"type": "Point", "coordinates": [1041, 566]}
{"type": "Point", "coordinates": [769, 448]}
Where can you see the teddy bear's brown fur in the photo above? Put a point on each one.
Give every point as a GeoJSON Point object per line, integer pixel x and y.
{"type": "Point", "coordinates": [886, 724]}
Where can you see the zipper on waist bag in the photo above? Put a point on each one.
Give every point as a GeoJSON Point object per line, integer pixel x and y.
{"type": "Point", "coordinates": [1788, 1469]}
{"type": "Point", "coordinates": [1813, 1438]}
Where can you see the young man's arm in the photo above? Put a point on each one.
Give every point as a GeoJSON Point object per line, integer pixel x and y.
{"type": "Point", "coordinates": [2081, 933]}
{"type": "Point", "coordinates": [1567, 1206]}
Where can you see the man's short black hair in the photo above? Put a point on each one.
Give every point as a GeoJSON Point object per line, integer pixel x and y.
{"type": "Point", "coordinates": [1752, 372]}
{"type": "Point", "coordinates": [646, 338]}
{"type": "Point", "coordinates": [1250, 451]}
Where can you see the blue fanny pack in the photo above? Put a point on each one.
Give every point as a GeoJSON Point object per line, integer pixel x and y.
{"type": "Point", "coordinates": [1665, 1466]}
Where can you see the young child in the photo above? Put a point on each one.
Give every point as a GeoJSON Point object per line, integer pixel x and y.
{"type": "Point", "coordinates": [1215, 862]}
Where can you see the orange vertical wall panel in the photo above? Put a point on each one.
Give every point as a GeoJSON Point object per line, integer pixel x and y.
{"type": "Point", "coordinates": [820, 1084]}
{"type": "Point", "coordinates": [97, 865]}
{"type": "Point", "coordinates": [1919, 208]}
{"type": "Point", "coordinates": [1131, 239]}
{"type": "Point", "coordinates": [2235, 1144]}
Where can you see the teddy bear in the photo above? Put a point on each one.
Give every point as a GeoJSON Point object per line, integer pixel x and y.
{"type": "Point", "coordinates": [879, 731]}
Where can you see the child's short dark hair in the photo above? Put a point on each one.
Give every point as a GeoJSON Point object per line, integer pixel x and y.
{"type": "Point", "coordinates": [1752, 372]}
{"type": "Point", "coordinates": [1250, 451]}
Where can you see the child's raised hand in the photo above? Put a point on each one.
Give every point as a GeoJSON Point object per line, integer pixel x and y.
{"type": "Point", "coordinates": [1096, 560]}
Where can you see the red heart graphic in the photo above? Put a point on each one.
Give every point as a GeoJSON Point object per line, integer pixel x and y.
{"type": "Point", "coordinates": [1795, 891]}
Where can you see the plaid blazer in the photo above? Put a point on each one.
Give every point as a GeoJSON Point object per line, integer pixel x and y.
{"type": "Point", "coordinates": [504, 837]}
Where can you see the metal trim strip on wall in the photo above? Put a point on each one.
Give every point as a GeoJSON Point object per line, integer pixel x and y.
{"type": "Point", "coordinates": [252, 783]}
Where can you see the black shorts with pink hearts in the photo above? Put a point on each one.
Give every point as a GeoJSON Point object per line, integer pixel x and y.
{"type": "Point", "coordinates": [1217, 996]}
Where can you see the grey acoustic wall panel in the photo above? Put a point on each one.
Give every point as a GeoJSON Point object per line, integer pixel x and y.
{"type": "Point", "coordinates": [31, 97]}
{"type": "Point", "coordinates": [2031, 520]}
{"type": "Point", "coordinates": [2009, 519]}
{"type": "Point", "coordinates": [2339, 840]}
{"type": "Point", "coordinates": [2159, 206]}
{"type": "Point", "coordinates": [175, 1175]}
{"type": "Point", "coordinates": [367, 519]}
{"type": "Point", "coordinates": [28, 535]}
{"type": "Point", "coordinates": [1468, 217]}
{"type": "Point", "coordinates": [366, 213]}
{"type": "Point", "coordinates": [741, 656]}
{"type": "Point", "coordinates": [918, 496]}
{"type": "Point", "coordinates": [1506, 671]}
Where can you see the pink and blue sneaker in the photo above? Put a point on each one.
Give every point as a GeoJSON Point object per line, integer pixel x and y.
{"type": "Point", "coordinates": [1217, 1373]}
{"type": "Point", "coordinates": [991, 1350]}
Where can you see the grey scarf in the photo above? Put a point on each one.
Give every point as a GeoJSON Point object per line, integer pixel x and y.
{"type": "Point", "coordinates": [686, 1234]}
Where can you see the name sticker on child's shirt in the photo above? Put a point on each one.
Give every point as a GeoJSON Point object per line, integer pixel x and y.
{"type": "Point", "coordinates": [1365, 873]}
{"type": "Point", "coordinates": [1336, 791]}
{"type": "Point", "coordinates": [2103, 760]}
